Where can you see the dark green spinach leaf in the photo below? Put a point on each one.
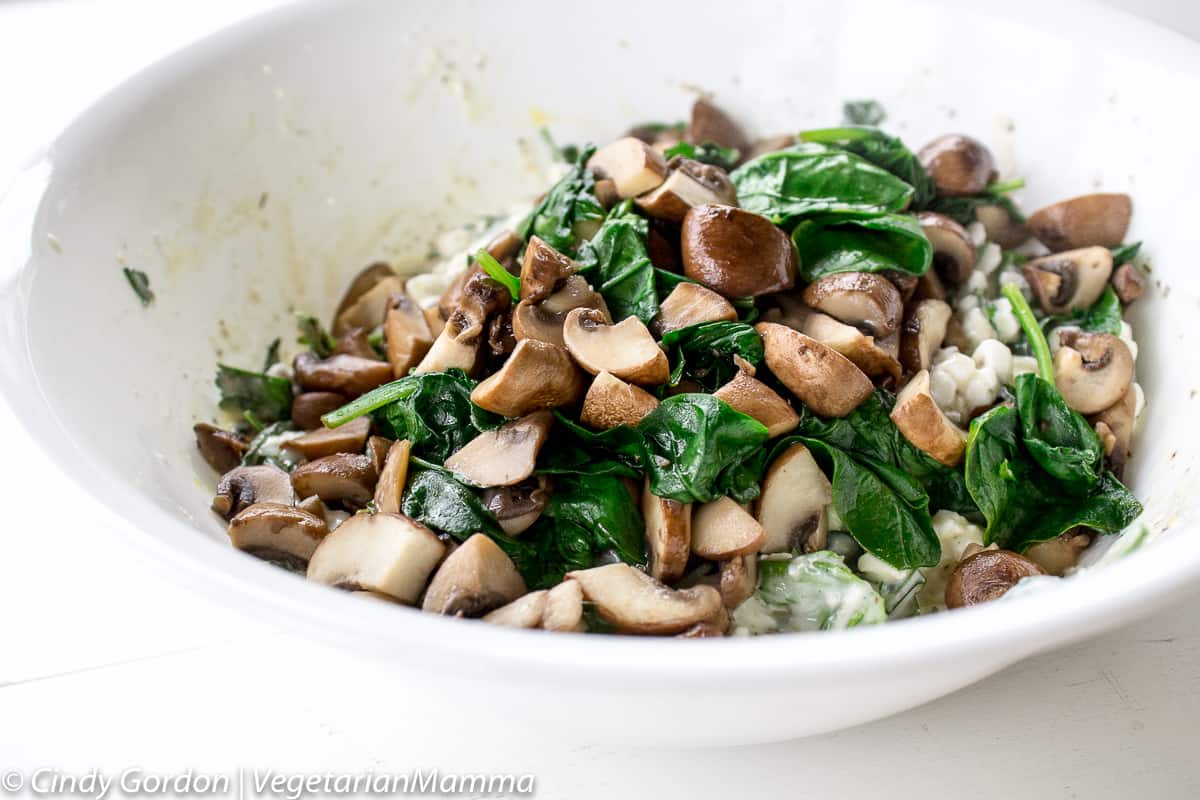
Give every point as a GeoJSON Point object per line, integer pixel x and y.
{"type": "Point", "coordinates": [315, 337]}
{"type": "Point", "coordinates": [1058, 438]}
{"type": "Point", "coordinates": [623, 272]}
{"type": "Point", "coordinates": [1126, 253]}
{"type": "Point", "coordinates": [884, 151]}
{"type": "Point", "coordinates": [140, 283]}
{"type": "Point", "coordinates": [963, 209]}
{"type": "Point", "coordinates": [888, 242]}
{"type": "Point", "coordinates": [267, 398]}
{"type": "Point", "coordinates": [708, 153]}
{"type": "Point", "coordinates": [1103, 316]}
{"type": "Point", "coordinates": [569, 203]}
{"type": "Point", "coordinates": [704, 352]}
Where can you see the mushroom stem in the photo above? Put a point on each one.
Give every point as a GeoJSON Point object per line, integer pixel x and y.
{"type": "Point", "coordinates": [1033, 331]}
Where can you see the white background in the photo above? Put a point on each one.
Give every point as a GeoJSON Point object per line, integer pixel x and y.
{"type": "Point", "coordinates": [105, 664]}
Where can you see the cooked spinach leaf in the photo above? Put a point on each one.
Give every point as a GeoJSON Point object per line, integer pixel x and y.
{"type": "Point", "coordinates": [1125, 253]}
{"type": "Point", "coordinates": [1058, 438]}
{"type": "Point", "coordinates": [600, 506]}
{"type": "Point", "coordinates": [888, 242]}
{"type": "Point", "coordinates": [863, 112]}
{"type": "Point", "coordinates": [963, 209]}
{"type": "Point", "coordinates": [569, 203]}
{"type": "Point", "coordinates": [812, 178]}
{"type": "Point", "coordinates": [576, 449]}
{"type": "Point", "coordinates": [884, 151]}
{"type": "Point", "coordinates": [704, 352]}
{"type": "Point", "coordinates": [623, 272]}
{"type": "Point", "coordinates": [267, 398]}
{"type": "Point", "coordinates": [1103, 316]}
{"type": "Point", "coordinates": [315, 337]}
{"type": "Point", "coordinates": [708, 153]}
{"type": "Point", "coordinates": [140, 283]}
{"type": "Point", "coordinates": [272, 356]}
{"type": "Point", "coordinates": [496, 271]}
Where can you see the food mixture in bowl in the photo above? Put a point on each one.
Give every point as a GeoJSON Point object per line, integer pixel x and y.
{"type": "Point", "coordinates": [708, 385]}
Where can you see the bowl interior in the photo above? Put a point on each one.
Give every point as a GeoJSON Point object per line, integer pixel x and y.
{"type": "Point", "coordinates": [251, 175]}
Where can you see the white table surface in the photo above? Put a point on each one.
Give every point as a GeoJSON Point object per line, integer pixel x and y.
{"type": "Point", "coordinates": [105, 664]}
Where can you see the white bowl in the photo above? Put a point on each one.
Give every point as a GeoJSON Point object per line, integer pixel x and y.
{"type": "Point", "coordinates": [253, 172]}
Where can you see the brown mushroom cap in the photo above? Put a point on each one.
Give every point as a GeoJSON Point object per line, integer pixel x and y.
{"type": "Point", "coordinates": [221, 449]}
{"type": "Point", "coordinates": [873, 356]}
{"type": "Point", "coordinates": [1088, 220]}
{"type": "Point", "coordinates": [503, 456]}
{"type": "Point", "coordinates": [634, 602]}
{"type": "Point", "coordinates": [537, 375]}
{"type": "Point", "coordinates": [406, 334]}
{"type": "Point", "coordinates": [564, 608]}
{"type": "Point", "coordinates": [689, 184]}
{"type": "Point", "coordinates": [610, 402]}
{"type": "Point", "coordinates": [348, 438]}
{"type": "Point", "coordinates": [473, 580]}
{"type": "Point", "coordinates": [385, 553]}
{"type": "Point", "coordinates": [736, 252]}
{"type": "Point", "coordinates": [791, 507]}
{"type": "Point", "coordinates": [633, 166]}
{"type": "Point", "coordinates": [1001, 228]}
{"type": "Point", "coordinates": [755, 399]}
{"type": "Point", "coordinates": [343, 374]}
{"type": "Point", "coordinates": [863, 299]}
{"type": "Point", "coordinates": [953, 252]}
{"type": "Point", "coordinates": [1060, 553]}
{"type": "Point", "coordinates": [277, 532]}
{"type": "Point", "coordinates": [923, 332]}
{"type": "Point", "coordinates": [366, 280]}
{"type": "Point", "coordinates": [691, 304]}
{"type": "Point", "coordinates": [738, 580]}
{"type": "Point", "coordinates": [1129, 283]}
{"type": "Point", "coordinates": [924, 425]}
{"type": "Point", "coordinates": [245, 486]}
{"type": "Point", "coordinates": [987, 575]}
{"type": "Point", "coordinates": [544, 320]}
{"type": "Point", "coordinates": [722, 530]}
{"type": "Point", "coordinates": [627, 349]}
{"type": "Point", "coordinates": [710, 124]}
{"type": "Point", "coordinates": [517, 507]}
{"type": "Point", "coordinates": [958, 165]}
{"type": "Point", "coordinates": [389, 489]}
{"type": "Point", "coordinates": [668, 535]}
{"type": "Point", "coordinates": [1071, 280]}
{"type": "Point", "coordinates": [524, 612]}
{"type": "Point", "coordinates": [1092, 370]}
{"type": "Point", "coordinates": [543, 270]}
{"type": "Point", "coordinates": [823, 379]}
{"type": "Point", "coordinates": [309, 407]}
{"type": "Point", "coordinates": [348, 478]}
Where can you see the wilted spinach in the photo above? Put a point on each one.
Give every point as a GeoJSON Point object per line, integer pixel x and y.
{"type": "Point", "coordinates": [707, 153]}
{"type": "Point", "coordinates": [888, 242]}
{"type": "Point", "coordinates": [140, 283]}
{"type": "Point", "coordinates": [266, 398]}
{"type": "Point", "coordinates": [1058, 438]}
{"type": "Point", "coordinates": [1126, 253]}
{"type": "Point", "coordinates": [1103, 316]}
{"type": "Point", "coordinates": [315, 337]}
{"type": "Point", "coordinates": [964, 209]}
{"type": "Point", "coordinates": [704, 352]}
{"type": "Point", "coordinates": [255, 453]}
{"type": "Point", "coordinates": [617, 451]}
{"type": "Point", "coordinates": [882, 150]}
{"type": "Point", "coordinates": [623, 272]}
{"type": "Point", "coordinates": [811, 178]}
{"type": "Point", "coordinates": [272, 356]}
{"type": "Point", "coordinates": [569, 202]}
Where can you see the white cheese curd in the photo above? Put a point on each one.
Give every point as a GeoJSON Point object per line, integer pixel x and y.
{"type": "Point", "coordinates": [966, 302]}
{"type": "Point", "coordinates": [977, 283]}
{"type": "Point", "coordinates": [955, 532]}
{"type": "Point", "coordinates": [996, 356]}
{"type": "Point", "coordinates": [981, 390]}
{"type": "Point", "coordinates": [990, 256]}
{"type": "Point", "coordinates": [1005, 321]}
{"type": "Point", "coordinates": [1022, 365]}
{"type": "Point", "coordinates": [943, 389]}
{"type": "Point", "coordinates": [1013, 275]}
{"type": "Point", "coordinates": [978, 233]}
{"type": "Point", "coordinates": [976, 326]}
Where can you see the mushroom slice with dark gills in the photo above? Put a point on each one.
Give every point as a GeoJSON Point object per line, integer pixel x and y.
{"type": "Point", "coordinates": [1088, 220]}
{"type": "Point", "coordinates": [958, 165]}
{"type": "Point", "coordinates": [865, 300]}
{"type": "Point", "coordinates": [221, 449]}
{"type": "Point", "coordinates": [953, 253]}
{"type": "Point", "coordinates": [458, 345]}
{"type": "Point", "coordinates": [543, 270]}
{"type": "Point", "coordinates": [385, 553]}
{"type": "Point", "coordinates": [823, 379]}
{"type": "Point", "coordinates": [626, 350]}
{"type": "Point", "coordinates": [502, 456]}
{"type": "Point", "coordinates": [543, 320]}
{"type": "Point", "coordinates": [633, 166]}
{"type": "Point", "coordinates": [668, 535]}
{"type": "Point", "coordinates": [517, 507]}
{"type": "Point", "coordinates": [633, 602]}
{"type": "Point", "coordinates": [1092, 370]}
{"type": "Point", "coordinates": [791, 508]}
{"type": "Point", "coordinates": [689, 184]}
{"type": "Point", "coordinates": [1071, 280]}
{"type": "Point", "coordinates": [476, 578]}
{"type": "Point", "coordinates": [987, 575]}
{"type": "Point", "coordinates": [537, 375]}
{"type": "Point", "coordinates": [736, 252]}
{"type": "Point", "coordinates": [245, 486]}
{"type": "Point", "coordinates": [277, 532]}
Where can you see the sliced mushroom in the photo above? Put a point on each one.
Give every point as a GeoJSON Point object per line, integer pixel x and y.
{"type": "Point", "coordinates": [1118, 419]}
{"type": "Point", "coordinates": [689, 184]}
{"type": "Point", "coordinates": [873, 356]}
{"type": "Point", "coordinates": [1092, 370]}
{"type": "Point", "coordinates": [723, 529]}
{"type": "Point", "coordinates": [347, 478]}
{"type": "Point", "coordinates": [923, 332]}
{"type": "Point", "coordinates": [221, 449]}
{"type": "Point", "coordinates": [543, 270]}
{"type": "Point", "coordinates": [605, 190]}
{"type": "Point", "coordinates": [1100, 220]}
{"type": "Point", "coordinates": [564, 608]}
{"type": "Point", "coordinates": [1071, 280]}
{"type": "Point", "coordinates": [366, 280]}
{"type": "Point", "coordinates": [406, 333]}
{"type": "Point", "coordinates": [711, 124]}
{"type": "Point", "coordinates": [691, 304]}
{"type": "Point", "coordinates": [517, 507]}
{"type": "Point", "coordinates": [987, 575]}
{"type": "Point", "coordinates": [452, 349]}
{"type": "Point", "coordinates": [959, 165]}
{"type": "Point", "coordinates": [502, 456]}
{"type": "Point", "coordinates": [791, 507]}
{"type": "Point", "coordinates": [668, 535]}
{"type": "Point", "coordinates": [1129, 283]}
{"type": "Point", "coordinates": [537, 375]}
{"type": "Point", "coordinates": [633, 166]}
{"type": "Point", "coordinates": [863, 299]}
{"type": "Point", "coordinates": [610, 402]}
{"type": "Point", "coordinates": [905, 283]}
{"type": "Point", "coordinates": [346, 375]}
{"type": "Point", "coordinates": [633, 602]}
{"type": "Point", "coordinates": [524, 612]}
{"type": "Point", "coordinates": [924, 425]}
{"type": "Point", "coordinates": [348, 438]}
{"type": "Point", "coordinates": [504, 245]}
{"type": "Point", "coordinates": [953, 251]}
{"type": "Point", "coordinates": [627, 350]}
{"type": "Point", "coordinates": [313, 505]}
{"type": "Point", "coordinates": [277, 532]}
{"type": "Point", "coordinates": [245, 486]}
{"type": "Point", "coordinates": [377, 450]}
{"type": "Point", "coordinates": [737, 253]}
{"type": "Point", "coordinates": [929, 287]}
{"type": "Point", "coordinates": [389, 489]}
{"type": "Point", "coordinates": [355, 342]}
{"type": "Point", "coordinates": [476, 578]}
{"type": "Point", "coordinates": [435, 320]}
{"type": "Point", "coordinates": [1060, 553]}
{"type": "Point", "coordinates": [755, 399]}
{"type": "Point", "coordinates": [309, 407]}
{"type": "Point", "coordinates": [451, 298]}
{"type": "Point", "coordinates": [717, 625]}
{"type": "Point", "coordinates": [1000, 226]}
{"type": "Point", "coordinates": [544, 320]}
{"type": "Point", "coordinates": [822, 378]}
{"type": "Point", "coordinates": [738, 579]}
{"type": "Point", "coordinates": [385, 553]}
